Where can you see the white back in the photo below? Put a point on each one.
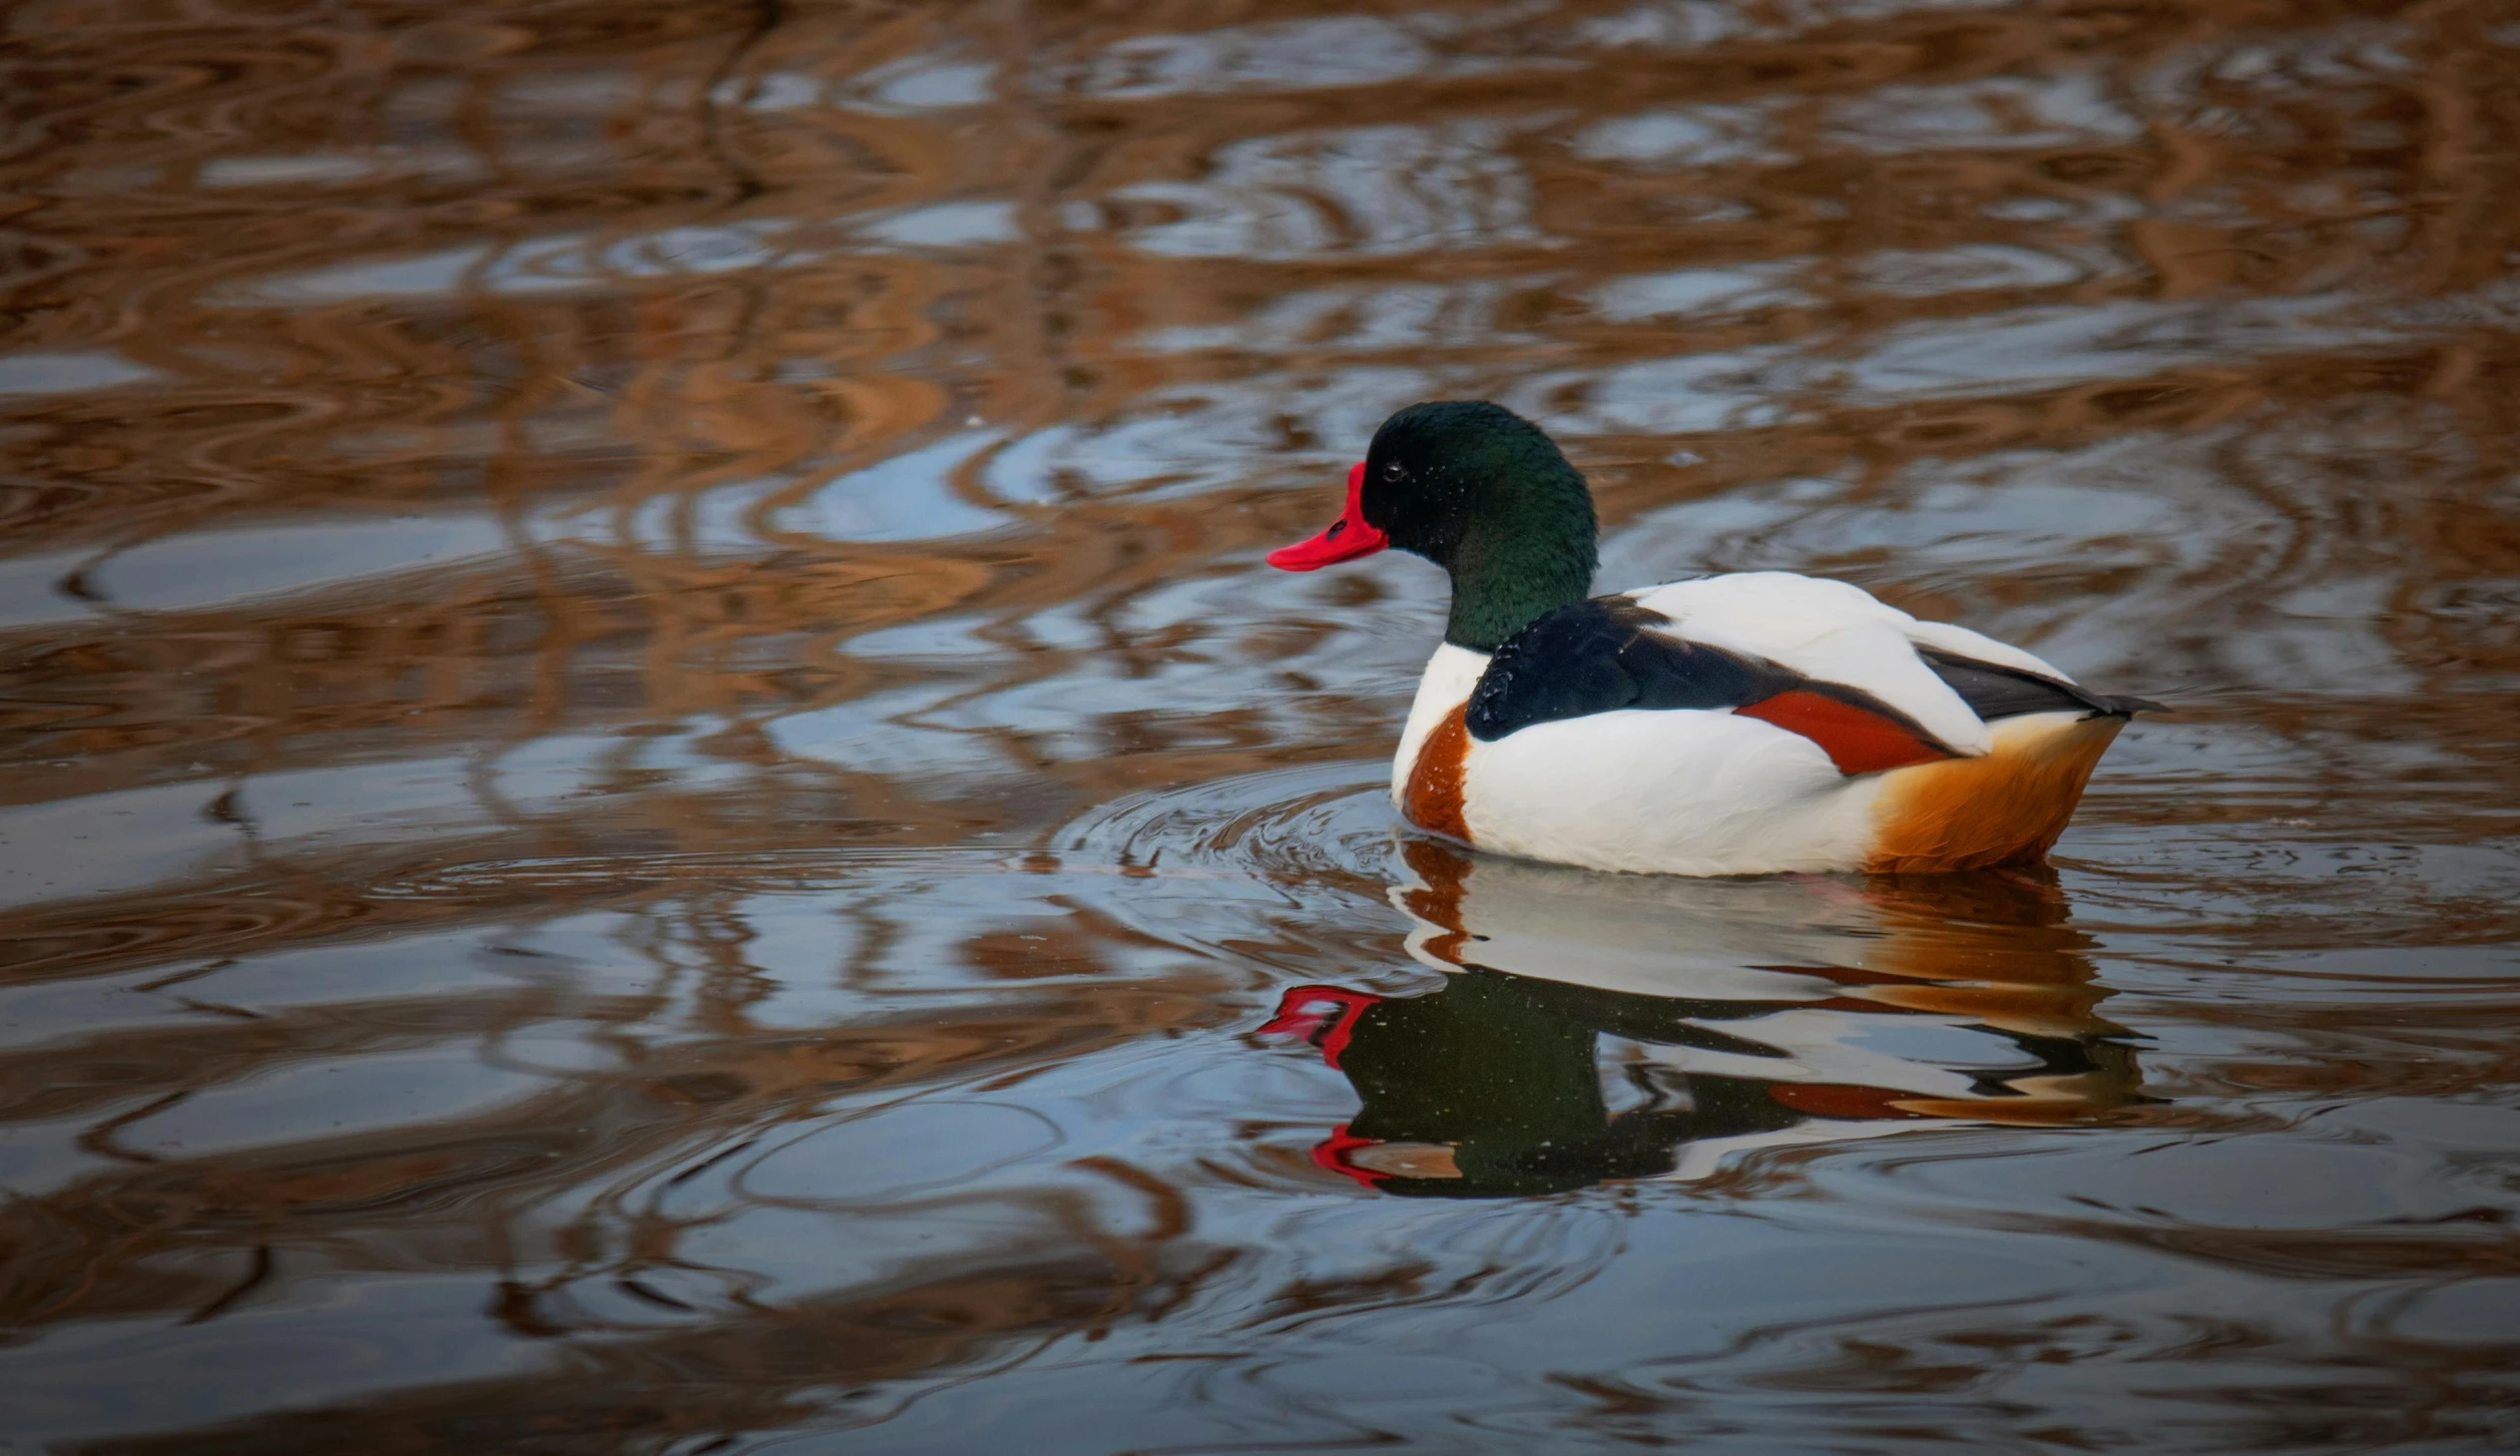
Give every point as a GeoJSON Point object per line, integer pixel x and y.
{"type": "Point", "coordinates": [1961, 642]}
{"type": "Point", "coordinates": [1831, 631]}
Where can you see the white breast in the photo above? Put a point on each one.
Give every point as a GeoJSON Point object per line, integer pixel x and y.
{"type": "Point", "coordinates": [1450, 675]}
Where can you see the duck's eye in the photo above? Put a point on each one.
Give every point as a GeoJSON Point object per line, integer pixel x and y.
{"type": "Point", "coordinates": [1394, 470]}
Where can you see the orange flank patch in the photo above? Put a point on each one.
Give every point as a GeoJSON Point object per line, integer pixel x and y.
{"type": "Point", "coordinates": [1855, 739]}
{"type": "Point", "coordinates": [1432, 799]}
{"type": "Point", "coordinates": [2004, 809]}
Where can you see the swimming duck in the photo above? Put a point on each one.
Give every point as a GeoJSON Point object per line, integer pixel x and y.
{"type": "Point", "coordinates": [1749, 724]}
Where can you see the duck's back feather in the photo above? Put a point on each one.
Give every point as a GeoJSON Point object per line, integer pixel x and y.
{"type": "Point", "coordinates": [1606, 653]}
{"type": "Point", "coordinates": [1827, 632]}
{"type": "Point", "coordinates": [1994, 691]}
{"type": "Point", "coordinates": [1612, 652]}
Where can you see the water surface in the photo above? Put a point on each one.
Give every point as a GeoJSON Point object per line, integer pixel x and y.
{"type": "Point", "coordinates": [652, 799]}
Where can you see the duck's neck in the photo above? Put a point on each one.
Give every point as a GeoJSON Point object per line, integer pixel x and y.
{"type": "Point", "coordinates": [1520, 562]}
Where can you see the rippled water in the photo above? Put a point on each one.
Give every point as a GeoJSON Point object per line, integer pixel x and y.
{"type": "Point", "coordinates": [652, 799]}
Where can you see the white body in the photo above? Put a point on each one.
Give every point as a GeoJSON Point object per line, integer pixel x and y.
{"type": "Point", "coordinates": [1704, 792]}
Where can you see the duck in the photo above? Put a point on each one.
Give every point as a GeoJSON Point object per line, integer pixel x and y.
{"type": "Point", "coordinates": [1750, 723]}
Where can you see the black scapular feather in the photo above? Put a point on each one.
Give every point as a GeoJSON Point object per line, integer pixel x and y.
{"type": "Point", "coordinates": [1599, 656]}
{"type": "Point", "coordinates": [1992, 692]}
{"type": "Point", "coordinates": [1602, 654]}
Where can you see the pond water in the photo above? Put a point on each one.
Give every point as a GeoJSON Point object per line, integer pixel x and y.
{"type": "Point", "coordinates": [653, 799]}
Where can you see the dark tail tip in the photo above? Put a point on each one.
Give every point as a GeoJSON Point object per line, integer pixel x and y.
{"type": "Point", "coordinates": [2127, 706]}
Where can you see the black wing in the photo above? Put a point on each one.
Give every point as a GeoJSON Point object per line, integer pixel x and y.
{"type": "Point", "coordinates": [1602, 654]}
{"type": "Point", "coordinates": [1992, 692]}
{"type": "Point", "coordinates": [1598, 656]}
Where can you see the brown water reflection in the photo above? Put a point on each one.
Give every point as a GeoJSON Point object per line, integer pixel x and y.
{"type": "Point", "coordinates": [651, 800]}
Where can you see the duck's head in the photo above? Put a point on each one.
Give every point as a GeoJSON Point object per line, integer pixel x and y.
{"type": "Point", "coordinates": [1478, 490]}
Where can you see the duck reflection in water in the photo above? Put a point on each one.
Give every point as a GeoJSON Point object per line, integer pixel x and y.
{"type": "Point", "coordinates": [1596, 1027]}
